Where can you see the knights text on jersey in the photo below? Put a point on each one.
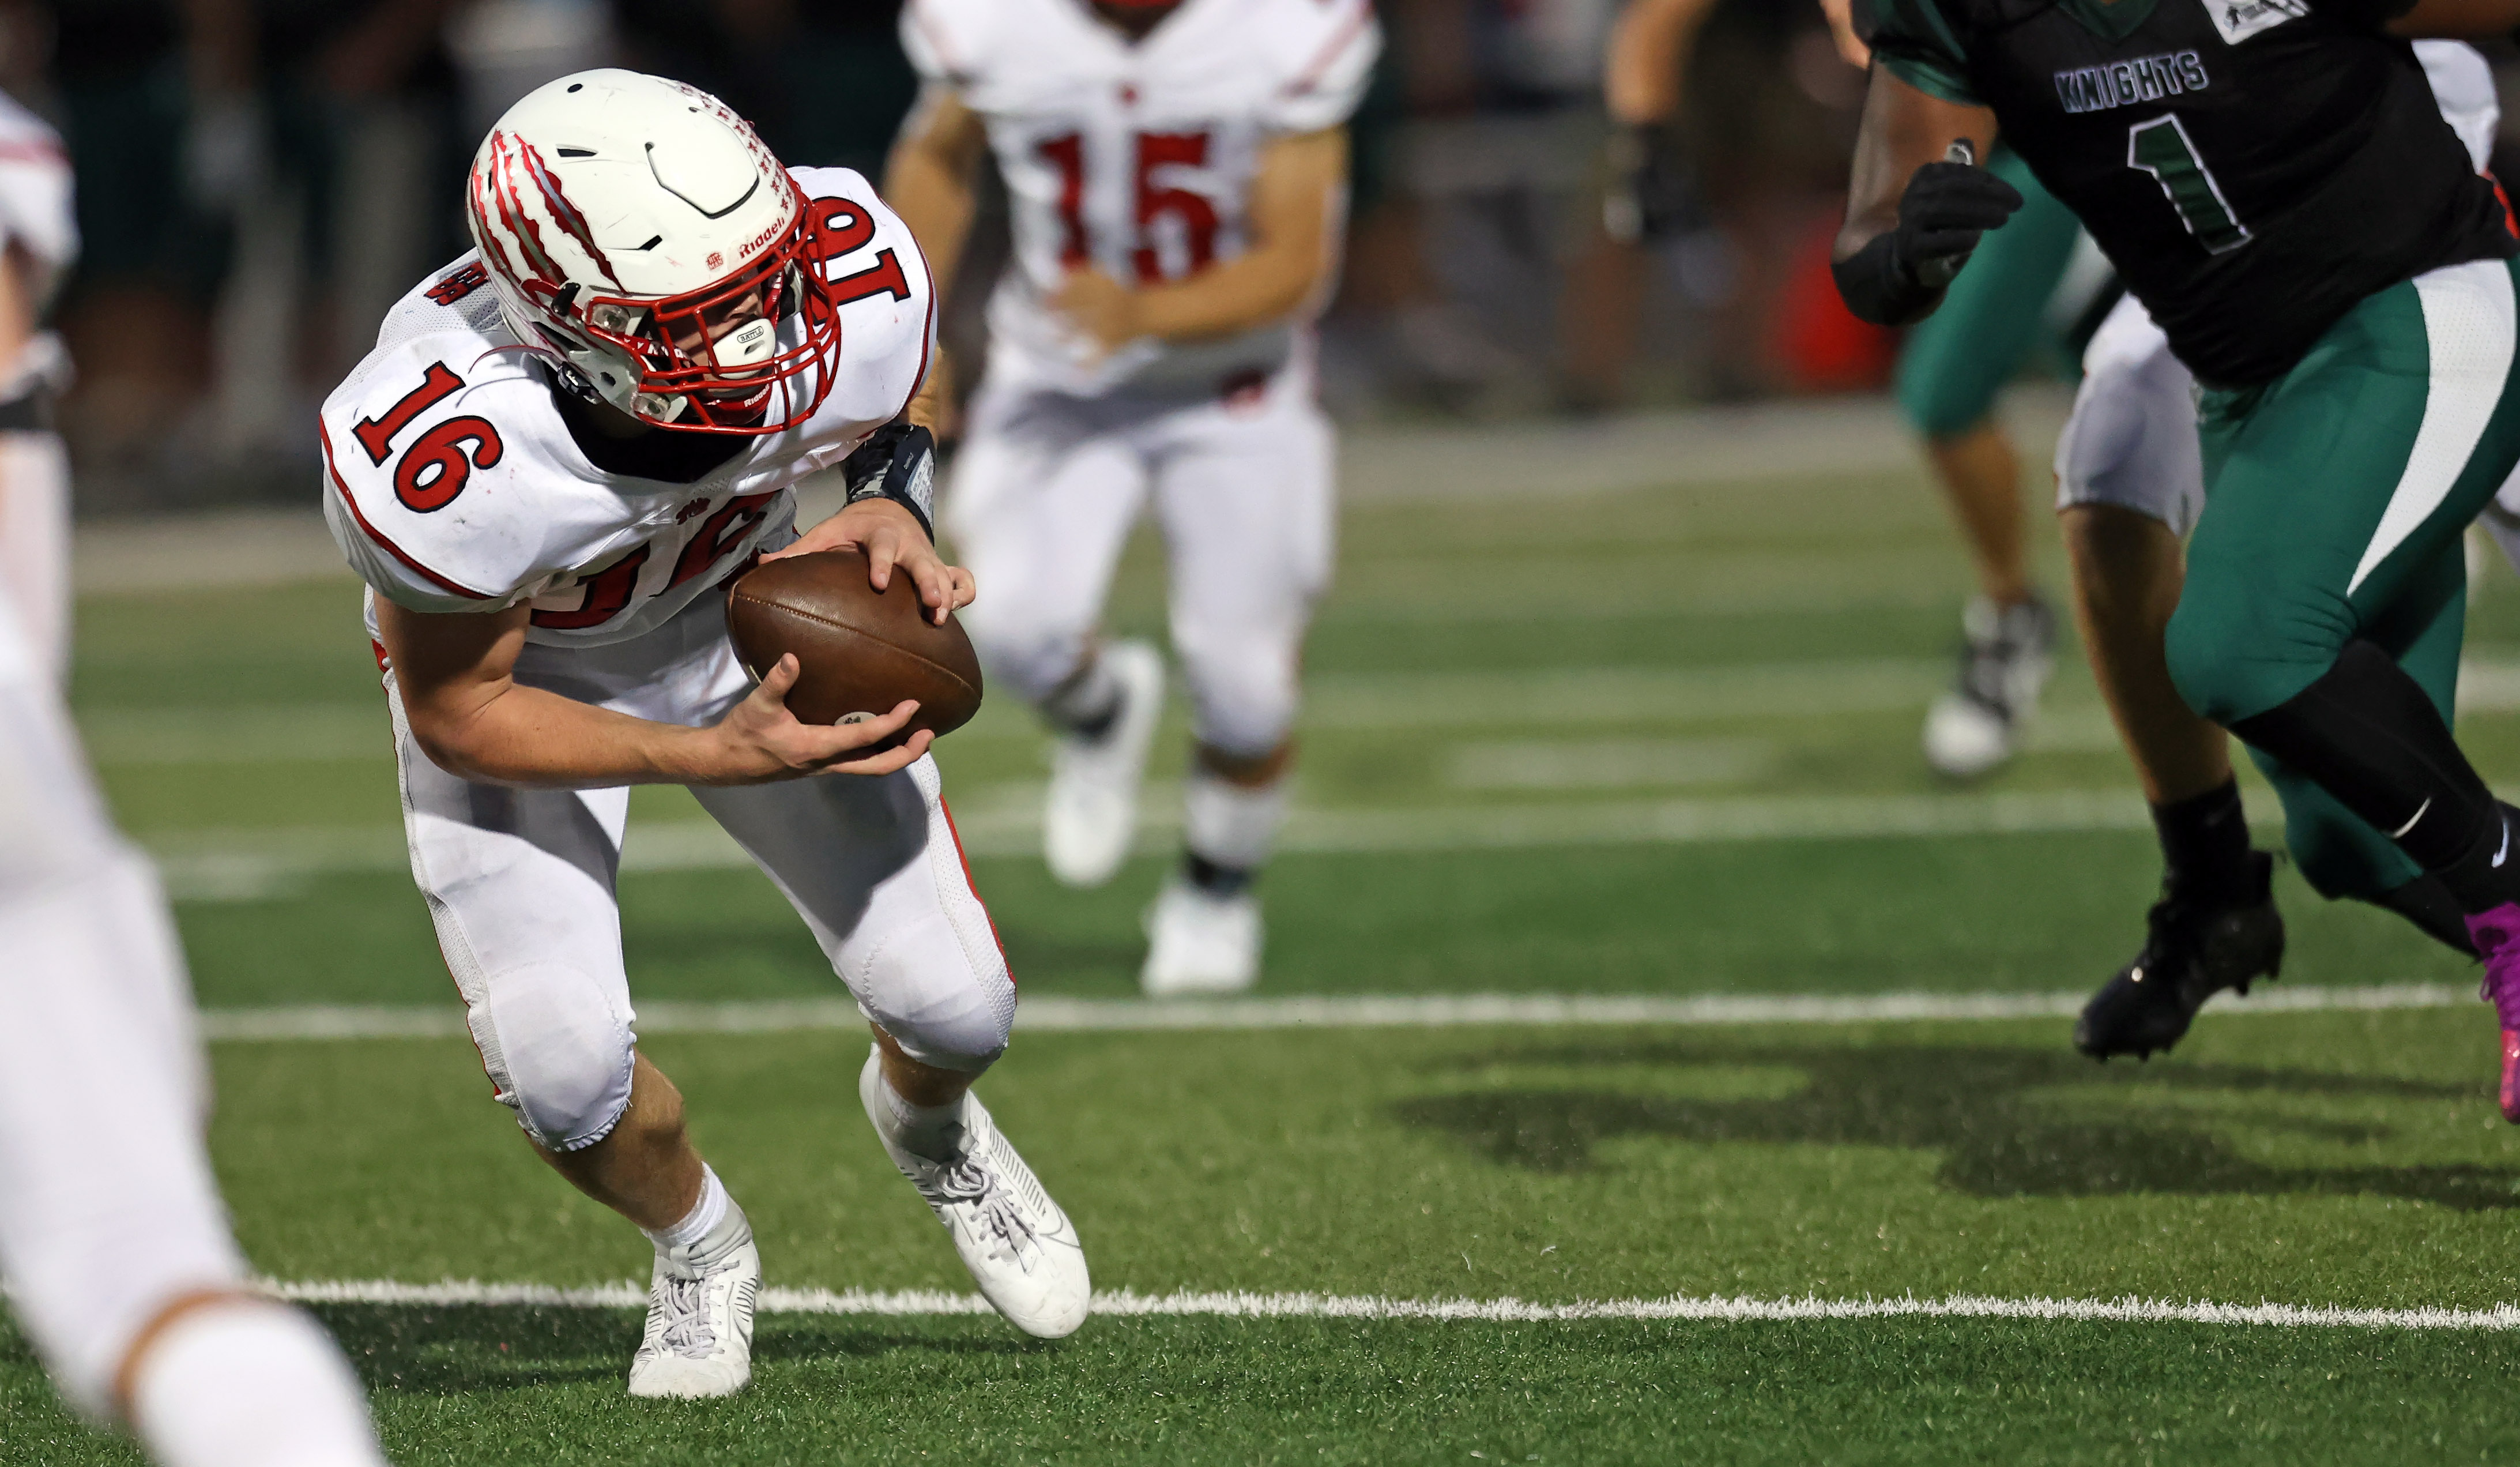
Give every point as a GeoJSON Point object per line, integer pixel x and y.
{"type": "Point", "coordinates": [452, 483]}
{"type": "Point", "coordinates": [2253, 168]}
{"type": "Point", "coordinates": [1136, 159]}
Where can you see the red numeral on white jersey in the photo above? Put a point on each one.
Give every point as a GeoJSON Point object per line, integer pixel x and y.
{"type": "Point", "coordinates": [1154, 149]}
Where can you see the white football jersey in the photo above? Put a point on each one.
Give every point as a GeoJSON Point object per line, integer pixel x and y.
{"type": "Point", "coordinates": [1137, 158]}
{"type": "Point", "coordinates": [453, 484]}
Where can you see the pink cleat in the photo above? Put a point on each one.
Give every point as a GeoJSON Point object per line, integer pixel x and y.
{"type": "Point", "coordinates": [2497, 934]}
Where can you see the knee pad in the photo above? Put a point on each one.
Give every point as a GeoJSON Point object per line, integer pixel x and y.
{"type": "Point", "coordinates": [1024, 654]}
{"type": "Point", "coordinates": [942, 1007]}
{"type": "Point", "coordinates": [2229, 662]}
{"type": "Point", "coordinates": [1242, 690]}
{"type": "Point", "coordinates": [558, 1053]}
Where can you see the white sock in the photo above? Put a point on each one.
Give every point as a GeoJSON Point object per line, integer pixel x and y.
{"type": "Point", "coordinates": [1228, 824]}
{"type": "Point", "coordinates": [933, 1132]}
{"type": "Point", "coordinates": [705, 1214]}
{"type": "Point", "coordinates": [250, 1384]}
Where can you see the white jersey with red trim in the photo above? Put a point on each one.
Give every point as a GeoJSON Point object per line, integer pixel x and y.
{"type": "Point", "coordinates": [1136, 159]}
{"type": "Point", "coordinates": [35, 212]}
{"type": "Point", "coordinates": [452, 483]}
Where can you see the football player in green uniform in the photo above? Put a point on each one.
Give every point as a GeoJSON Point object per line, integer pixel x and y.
{"type": "Point", "coordinates": [1951, 368]}
{"type": "Point", "coordinates": [2275, 184]}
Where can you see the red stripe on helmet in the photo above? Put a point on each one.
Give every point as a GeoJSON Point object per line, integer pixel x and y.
{"type": "Point", "coordinates": [563, 212]}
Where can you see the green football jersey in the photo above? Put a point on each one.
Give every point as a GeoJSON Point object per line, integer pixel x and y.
{"type": "Point", "coordinates": [2253, 168]}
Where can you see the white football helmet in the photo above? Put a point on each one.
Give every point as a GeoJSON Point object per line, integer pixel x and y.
{"type": "Point", "coordinates": [637, 231]}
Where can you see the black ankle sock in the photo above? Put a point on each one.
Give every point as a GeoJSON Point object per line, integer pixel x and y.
{"type": "Point", "coordinates": [1213, 879]}
{"type": "Point", "coordinates": [2205, 845]}
{"type": "Point", "coordinates": [2428, 904]}
{"type": "Point", "coordinates": [1095, 725]}
{"type": "Point", "coordinates": [2367, 734]}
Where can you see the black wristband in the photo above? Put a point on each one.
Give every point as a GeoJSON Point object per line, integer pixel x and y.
{"type": "Point", "coordinates": [897, 462]}
{"type": "Point", "coordinates": [1878, 289]}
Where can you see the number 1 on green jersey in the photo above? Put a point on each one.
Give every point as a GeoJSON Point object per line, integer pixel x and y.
{"type": "Point", "coordinates": [2161, 149]}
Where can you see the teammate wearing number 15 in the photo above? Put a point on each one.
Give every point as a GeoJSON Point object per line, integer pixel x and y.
{"type": "Point", "coordinates": [2277, 185]}
{"type": "Point", "coordinates": [1177, 174]}
{"type": "Point", "coordinates": [562, 449]}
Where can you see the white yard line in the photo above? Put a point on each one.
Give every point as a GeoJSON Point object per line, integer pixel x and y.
{"type": "Point", "coordinates": [1054, 1015]}
{"type": "Point", "coordinates": [1241, 1306]}
{"type": "Point", "coordinates": [243, 865]}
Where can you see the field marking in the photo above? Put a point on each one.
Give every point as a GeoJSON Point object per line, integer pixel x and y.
{"type": "Point", "coordinates": [1057, 1014]}
{"type": "Point", "coordinates": [250, 865]}
{"type": "Point", "coordinates": [1186, 1304]}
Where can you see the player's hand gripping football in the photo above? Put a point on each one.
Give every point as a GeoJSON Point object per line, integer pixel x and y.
{"type": "Point", "coordinates": [1945, 207]}
{"type": "Point", "coordinates": [890, 537]}
{"type": "Point", "coordinates": [760, 741]}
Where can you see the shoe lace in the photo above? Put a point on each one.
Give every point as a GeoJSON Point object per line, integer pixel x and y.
{"type": "Point", "coordinates": [967, 1184]}
{"type": "Point", "coordinates": [686, 1332]}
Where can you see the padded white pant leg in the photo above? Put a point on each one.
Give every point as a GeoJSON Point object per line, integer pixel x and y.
{"type": "Point", "coordinates": [874, 867]}
{"type": "Point", "coordinates": [2131, 438]}
{"type": "Point", "coordinates": [107, 1208]}
{"type": "Point", "coordinates": [519, 883]}
{"type": "Point", "coordinates": [1246, 502]}
{"type": "Point", "coordinates": [35, 542]}
{"type": "Point", "coordinates": [1042, 499]}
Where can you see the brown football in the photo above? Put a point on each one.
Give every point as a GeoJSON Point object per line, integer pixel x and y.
{"type": "Point", "coordinates": [859, 650]}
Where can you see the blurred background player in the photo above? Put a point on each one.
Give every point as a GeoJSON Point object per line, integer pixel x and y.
{"type": "Point", "coordinates": [36, 220]}
{"type": "Point", "coordinates": [1177, 179]}
{"type": "Point", "coordinates": [115, 1248]}
{"type": "Point", "coordinates": [562, 449]}
{"type": "Point", "coordinates": [2129, 483]}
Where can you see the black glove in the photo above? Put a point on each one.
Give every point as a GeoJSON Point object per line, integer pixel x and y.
{"type": "Point", "coordinates": [1651, 192]}
{"type": "Point", "coordinates": [1945, 207]}
{"type": "Point", "coordinates": [1900, 275]}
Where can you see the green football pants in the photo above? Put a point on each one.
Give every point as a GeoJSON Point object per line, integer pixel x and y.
{"type": "Point", "coordinates": [1993, 317]}
{"type": "Point", "coordinates": [2334, 500]}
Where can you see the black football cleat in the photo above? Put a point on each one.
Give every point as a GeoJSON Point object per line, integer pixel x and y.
{"type": "Point", "coordinates": [2190, 953]}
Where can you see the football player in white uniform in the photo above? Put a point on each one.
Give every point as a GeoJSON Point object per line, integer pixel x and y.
{"type": "Point", "coordinates": [563, 447]}
{"type": "Point", "coordinates": [2129, 483]}
{"type": "Point", "coordinates": [117, 1255]}
{"type": "Point", "coordinates": [1177, 173]}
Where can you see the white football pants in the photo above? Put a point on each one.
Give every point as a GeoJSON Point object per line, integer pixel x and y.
{"type": "Point", "coordinates": [109, 1214]}
{"type": "Point", "coordinates": [2131, 438]}
{"type": "Point", "coordinates": [1042, 501]}
{"type": "Point", "coordinates": [521, 884]}
{"type": "Point", "coordinates": [35, 542]}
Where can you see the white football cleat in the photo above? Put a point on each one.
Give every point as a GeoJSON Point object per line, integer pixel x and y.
{"type": "Point", "coordinates": [1201, 944]}
{"type": "Point", "coordinates": [1022, 1250]}
{"type": "Point", "coordinates": [1092, 812]}
{"type": "Point", "coordinates": [2004, 666]}
{"type": "Point", "coordinates": [700, 1316]}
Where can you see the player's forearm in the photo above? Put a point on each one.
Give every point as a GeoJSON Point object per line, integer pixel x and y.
{"type": "Point", "coordinates": [1649, 45]}
{"type": "Point", "coordinates": [535, 738]}
{"type": "Point", "coordinates": [1256, 290]}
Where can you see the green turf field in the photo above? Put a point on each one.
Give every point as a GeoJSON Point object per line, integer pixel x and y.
{"type": "Point", "coordinates": [1658, 742]}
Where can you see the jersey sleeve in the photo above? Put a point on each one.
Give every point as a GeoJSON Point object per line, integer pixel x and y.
{"type": "Point", "coordinates": [886, 299]}
{"type": "Point", "coordinates": [1916, 42]}
{"type": "Point", "coordinates": [942, 43]}
{"type": "Point", "coordinates": [1332, 65]}
{"type": "Point", "coordinates": [423, 484]}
